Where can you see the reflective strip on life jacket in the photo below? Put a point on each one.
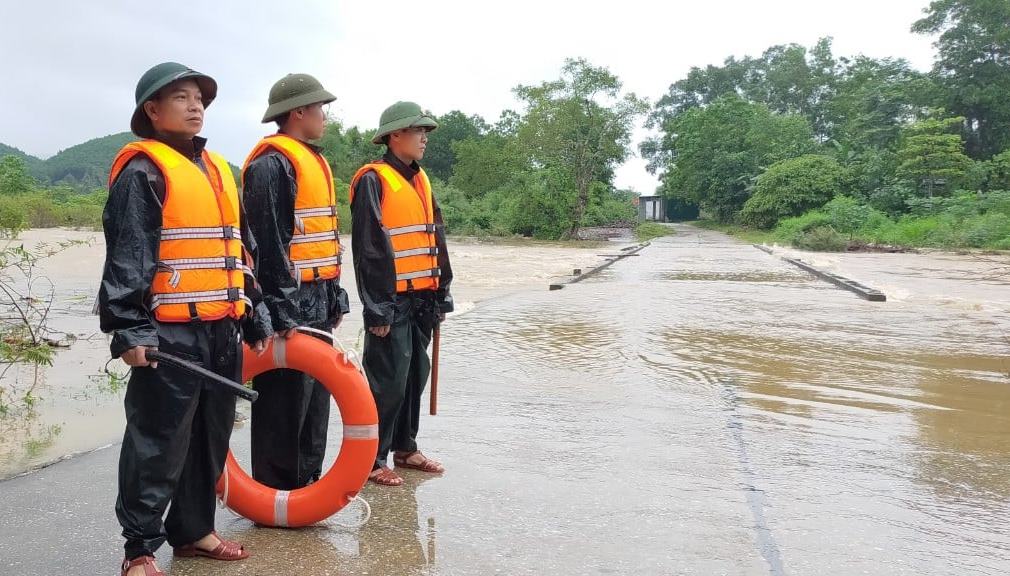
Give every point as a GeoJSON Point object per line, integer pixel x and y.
{"type": "Point", "coordinates": [316, 225]}
{"type": "Point", "coordinates": [201, 273]}
{"type": "Point", "coordinates": [225, 232]}
{"type": "Point", "coordinates": [215, 263]}
{"type": "Point", "coordinates": [316, 237]}
{"type": "Point", "coordinates": [429, 228]}
{"type": "Point", "coordinates": [310, 212]}
{"type": "Point", "coordinates": [228, 294]}
{"type": "Point", "coordinates": [433, 251]}
{"type": "Point", "coordinates": [432, 273]}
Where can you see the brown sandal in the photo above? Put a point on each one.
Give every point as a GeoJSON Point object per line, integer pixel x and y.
{"type": "Point", "coordinates": [146, 561]}
{"type": "Point", "coordinates": [385, 477]}
{"type": "Point", "coordinates": [425, 465]}
{"type": "Point", "coordinates": [226, 550]}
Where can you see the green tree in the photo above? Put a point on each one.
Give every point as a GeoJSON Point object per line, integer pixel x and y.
{"type": "Point", "coordinates": [537, 203]}
{"type": "Point", "coordinates": [485, 164]}
{"type": "Point", "coordinates": [579, 127]}
{"type": "Point", "coordinates": [788, 79]}
{"type": "Point", "coordinates": [931, 157]}
{"type": "Point", "coordinates": [973, 64]}
{"type": "Point", "coordinates": [721, 148]}
{"type": "Point", "coordinates": [792, 79]}
{"type": "Point", "coordinates": [791, 187]}
{"type": "Point", "coordinates": [440, 156]}
{"type": "Point", "coordinates": [874, 99]}
{"type": "Point", "coordinates": [14, 177]}
{"type": "Point", "coordinates": [999, 172]}
{"type": "Point", "coordinates": [347, 150]}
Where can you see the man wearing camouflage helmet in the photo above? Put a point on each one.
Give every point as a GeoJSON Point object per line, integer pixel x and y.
{"type": "Point", "coordinates": [403, 275]}
{"type": "Point", "coordinates": [289, 192]}
{"type": "Point", "coordinates": [176, 278]}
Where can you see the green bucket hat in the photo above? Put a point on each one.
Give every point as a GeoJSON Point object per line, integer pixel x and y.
{"type": "Point", "coordinates": [294, 91]}
{"type": "Point", "coordinates": [403, 115]}
{"type": "Point", "coordinates": [159, 77]}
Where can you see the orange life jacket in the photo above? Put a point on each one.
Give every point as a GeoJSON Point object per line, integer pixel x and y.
{"type": "Point", "coordinates": [314, 251]}
{"type": "Point", "coordinates": [200, 255]}
{"type": "Point", "coordinates": [408, 217]}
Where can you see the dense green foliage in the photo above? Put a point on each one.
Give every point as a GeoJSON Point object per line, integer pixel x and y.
{"type": "Point", "coordinates": [824, 149]}
{"type": "Point", "coordinates": [968, 220]}
{"type": "Point", "coordinates": [25, 204]}
{"type": "Point", "coordinates": [760, 140]}
{"type": "Point", "coordinates": [791, 187]}
{"type": "Point", "coordinates": [83, 167]}
{"type": "Point", "coordinates": [544, 171]}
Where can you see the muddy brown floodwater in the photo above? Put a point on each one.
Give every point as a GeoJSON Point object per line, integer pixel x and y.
{"type": "Point", "coordinates": [704, 409]}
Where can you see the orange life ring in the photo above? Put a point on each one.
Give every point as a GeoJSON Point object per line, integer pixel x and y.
{"type": "Point", "coordinates": [319, 500]}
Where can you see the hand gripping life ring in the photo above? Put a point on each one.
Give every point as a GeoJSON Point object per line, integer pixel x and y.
{"type": "Point", "coordinates": [319, 500]}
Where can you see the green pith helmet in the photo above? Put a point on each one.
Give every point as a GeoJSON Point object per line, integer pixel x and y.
{"type": "Point", "coordinates": [294, 91]}
{"type": "Point", "coordinates": [159, 77]}
{"type": "Point", "coordinates": [403, 115]}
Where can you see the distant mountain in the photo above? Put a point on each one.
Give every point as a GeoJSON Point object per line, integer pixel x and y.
{"type": "Point", "coordinates": [32, 162]}
{"type": "Point", "coordinates": [83, 167]}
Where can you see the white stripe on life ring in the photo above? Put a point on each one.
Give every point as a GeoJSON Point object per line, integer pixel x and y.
{"type": "Point", "coordinates": [361, 432]}
{"type": "Point", "coordinates": [281, 508]}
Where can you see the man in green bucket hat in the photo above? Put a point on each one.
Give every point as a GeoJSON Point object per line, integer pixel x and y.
{"type": "Point", "coordinates": [289, 193]}
{"type": "Point", "coordinates": [403, 274]}
{"type": "Point", "coordinates": [175, 279]}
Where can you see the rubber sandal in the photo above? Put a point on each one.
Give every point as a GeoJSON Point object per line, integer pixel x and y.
{"type": "Point", "coordinates": [386, 477]}
{"type": "Point", "coordinates": [425, 465]}
{"type": "Point", "coordinates": [146, 561]}
{"type": "Point", "coordinates": [227, 550]}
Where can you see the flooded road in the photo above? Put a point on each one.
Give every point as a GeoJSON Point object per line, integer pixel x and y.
{"type": "Point", "coordinates": [76, 407]}
{"type": "Point", "coordinates": [701, 409]}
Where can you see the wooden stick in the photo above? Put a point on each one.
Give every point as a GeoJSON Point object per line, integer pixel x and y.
{"type": "Point", "coordinates": [436, 341]}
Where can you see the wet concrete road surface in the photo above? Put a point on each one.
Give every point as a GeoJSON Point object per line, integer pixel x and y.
{"type": "Point", "coordinates": [703, 409]}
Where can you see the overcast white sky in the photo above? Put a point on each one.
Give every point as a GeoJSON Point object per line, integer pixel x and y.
{"type": "Point", "coordinates": [69, 68]}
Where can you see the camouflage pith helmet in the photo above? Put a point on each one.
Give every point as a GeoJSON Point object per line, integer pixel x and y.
{"type": "Point", "coordinates": [294, 91]}
{"type": "Point", "coordinates": [403, 115]}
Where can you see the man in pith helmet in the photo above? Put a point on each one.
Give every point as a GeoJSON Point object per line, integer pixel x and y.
{"type": "Point", "coordinates": [403, 275]}
{"type": "Point", "coordinates": [289, 192]}
{"type": "Point", "coordinates": [177, 278]}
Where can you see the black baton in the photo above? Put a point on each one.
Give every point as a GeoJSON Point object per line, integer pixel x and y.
{"type": "Point", "coordinates": [236, 389]}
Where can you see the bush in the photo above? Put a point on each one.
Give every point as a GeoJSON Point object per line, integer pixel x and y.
{"type": "Point", "coordinates": [967, 220]}
{"type": "Point", "coordinates": [891, 199]}
{"type": "Point", "coordinates": [995, 201]}
{"type": "Point", "coordinates": [12, 217]}
{"type": "Point", "coordinates": [791, 187]}
{"type": "Point", "coordinates": [791, 228]}
{"type": "Point", "coordinates": [910, 231]}
{"type": "Point", "coordinates": [342, 190]}
{"type": "Point", "coordinates": [611, 207]}
{"type": "Point", "coordinates": [41, 211]}
{"type": "Point", "coordinates": [848, 216]}
{"type": "Point", "coordinates": [457, 211]}
{"type": "Point", "coordinates": [537, 205]}
{"type": "Point", "coordinates": [821, 239]}
{"type": "Point", "coordinates": [987, 230]}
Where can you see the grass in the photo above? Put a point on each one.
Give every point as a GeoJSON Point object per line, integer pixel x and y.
{"type": "Point", "coordinates": [752, 235]}
{"type": "Point", "coordinates": [966, 222]}
{"type": "Point", "coordinates": [649, 230]}
{"type": "Point", "coordinates": [515, 240]}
